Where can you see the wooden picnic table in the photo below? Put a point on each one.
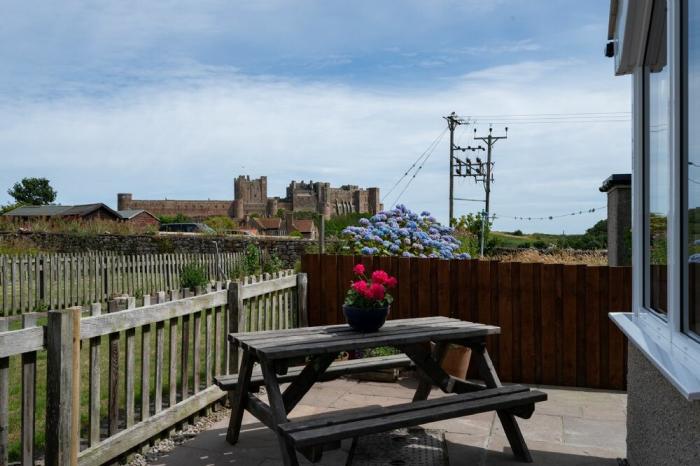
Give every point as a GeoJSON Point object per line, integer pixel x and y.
{"type": "Point", "coordinates": [275, 350]}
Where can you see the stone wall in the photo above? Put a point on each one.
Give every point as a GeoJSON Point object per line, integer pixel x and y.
{"type": "Point", "coordinates": [662, 426]}
{"type": "Point", "coordinates": [193, 209]}
{"type": "Point", "coordinates": [288, 249]}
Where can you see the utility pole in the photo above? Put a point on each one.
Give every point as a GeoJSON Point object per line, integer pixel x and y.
{"type": "Point", "coordinates": [452, 122]}
{"type": "Point", "coordinates": [490, 141]}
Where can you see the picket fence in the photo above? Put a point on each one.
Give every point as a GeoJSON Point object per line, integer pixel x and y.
{"type": "Point", "coordinates": [30, 283]}
{"type": "Point", "coordinates": [108, 382]}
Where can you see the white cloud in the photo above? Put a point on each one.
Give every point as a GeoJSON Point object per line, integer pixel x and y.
{"type": "Point", "coordinates": [189, 138]}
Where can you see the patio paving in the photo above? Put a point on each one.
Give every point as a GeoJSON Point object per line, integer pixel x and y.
{"type": "Point", "coordinates": [573, 427]}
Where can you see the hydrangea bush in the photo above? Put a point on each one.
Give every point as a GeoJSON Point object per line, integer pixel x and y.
{"type": "Point", "coordinates": [401, 232]}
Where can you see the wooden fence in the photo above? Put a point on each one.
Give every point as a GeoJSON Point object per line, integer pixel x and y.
{"type": "Point", "coordinates": [554, 318]}
{"type": "Point", "coordinates": [58, 281]}
{"type": "Point", "coordinates": [108, 382]}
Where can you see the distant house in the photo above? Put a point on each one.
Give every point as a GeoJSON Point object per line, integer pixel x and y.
{"type": "Point", "coordinates": [139, 217]}
{"type": "Point", "coordinates": [272, 226]}
{"type": "Point", "coordinates": [275, 226]}
{"type": "Point", "coordinates": [97, 211]}
{"type": "Point", "coordinates": [307, 228]}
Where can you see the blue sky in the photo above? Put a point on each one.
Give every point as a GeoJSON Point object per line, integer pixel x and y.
{"type": "Point", "coordinates": [174, 99]}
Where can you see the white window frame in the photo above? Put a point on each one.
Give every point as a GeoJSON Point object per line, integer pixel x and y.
{"type": "Point", "coordinates": [661, 339]}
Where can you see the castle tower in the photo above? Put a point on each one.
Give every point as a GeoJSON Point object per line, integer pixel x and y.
{"type": "Point", "coordinates": [272, 207]}
{"type": "Point", "coordinates": [124, 201]}
{"type": "Point", "coordinates": [373, 200]}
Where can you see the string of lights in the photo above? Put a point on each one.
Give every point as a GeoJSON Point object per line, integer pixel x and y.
{"type": "Point", "coordinates": [549, 217]}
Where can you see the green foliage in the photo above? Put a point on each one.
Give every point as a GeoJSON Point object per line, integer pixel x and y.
{"type": "Point", "coordinates": [280, 213]}
{"type": "Point", "coordinates": [193, 275]}
{"type": "Point", "coordinates": [33, 191]}
{"type": "Point", "coordinates": [380, 351]}
{"type": "Point", "coordinates": [251, 260]}
{"type": "Point", "coordinates": [540, 244]}
{"type": "Point", "coordinates": [337, 224]}
{"type": "Point", "coordinates": [468, 228]}
{"type": "Point", "coordinates": [595, 237]}
{"type": "Point", "coordinates": [517, 233]}
{"type": "Point", "coordinates": [8, 207]}
{"type": "Point", "coordinates": [296, 234]}
{"type": "Point", "coordinates": [179, 218]}
{"type": "Point", "coordinates": [221, 223]}
{"type": "Point", "coordinates": [272, 264]}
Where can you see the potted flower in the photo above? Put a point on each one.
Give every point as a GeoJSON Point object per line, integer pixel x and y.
{"type": "Point", "coordinates": [367, 302]}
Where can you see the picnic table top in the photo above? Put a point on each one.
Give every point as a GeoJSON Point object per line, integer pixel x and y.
{"type": "Point", "coordinates": [291, 343]}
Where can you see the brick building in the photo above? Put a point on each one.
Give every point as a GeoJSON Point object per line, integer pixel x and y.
{"type": "Point", "coordinates": [250, 197]}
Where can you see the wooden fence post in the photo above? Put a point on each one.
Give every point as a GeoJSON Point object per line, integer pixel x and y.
{"type": "Point", "coordinates": [63, 387]}
{"type": "Point", "coordinates": [235, 313]}
{"type": "Point", "coordinates": [4, 399]}
{"type": "Point", "coordinates": [302, 305]}
{"type": "Point", "coordinates": [28, 397]}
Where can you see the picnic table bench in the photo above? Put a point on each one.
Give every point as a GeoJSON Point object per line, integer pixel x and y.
{"type": "Point", "coordinates": [273, 351]}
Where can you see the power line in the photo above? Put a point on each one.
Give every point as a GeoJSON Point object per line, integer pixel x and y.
{"type": "Point", "coordinates": [420, 167]}
{"type": "Point", "coordinates": [431, 145]}
{"type": "Point", "coordinates": [553, 115]}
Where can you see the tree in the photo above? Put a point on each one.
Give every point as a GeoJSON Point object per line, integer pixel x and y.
{"type": "Point", "coordinates": [33, 191]}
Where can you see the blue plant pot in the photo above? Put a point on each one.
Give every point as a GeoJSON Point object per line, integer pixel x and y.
{"type": "Point", "coordinates": [365, 320]}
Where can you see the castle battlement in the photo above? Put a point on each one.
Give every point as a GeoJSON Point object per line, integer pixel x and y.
{"type": "Point", "coordinates": [251, 197]}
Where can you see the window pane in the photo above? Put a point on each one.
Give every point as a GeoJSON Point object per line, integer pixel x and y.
{"type": "Point", "coordinates": [692, 116]}
{"type": "Point", "coordinates": [657, 162]}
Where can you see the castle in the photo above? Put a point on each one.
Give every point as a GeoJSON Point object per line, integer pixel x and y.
{"type": "Point", "coordinates": [250, 197]}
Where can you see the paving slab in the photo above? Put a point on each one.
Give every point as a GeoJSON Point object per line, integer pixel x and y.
{"type": "Point", "coordinates": [574, 427]}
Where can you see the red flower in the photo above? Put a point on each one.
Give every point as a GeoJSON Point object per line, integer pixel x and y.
{"type": "Point", "coordinates": [390, 282]}
{"type": "Point", "coordinates": [380, 277]}
{"type": "Point", "coordinates": [376, 291]}
{"type": "Point", "coordinates": [361, 287]}
{"type": "Point", "coordinates": [359, 269]}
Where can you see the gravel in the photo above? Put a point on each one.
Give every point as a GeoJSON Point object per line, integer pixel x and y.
{"type": "Point", "coordinates": [160, 447]}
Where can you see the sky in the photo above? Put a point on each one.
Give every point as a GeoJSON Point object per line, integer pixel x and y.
{"type": "Point", "coordinates": [174, 99]}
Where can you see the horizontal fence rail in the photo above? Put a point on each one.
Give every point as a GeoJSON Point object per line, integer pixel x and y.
{"type": "Point", "coordinates": [91, 384]}
{"type": "Point", "coordinates": [30, 283]}
{"type": "Point", "coordinates": [554, 317]}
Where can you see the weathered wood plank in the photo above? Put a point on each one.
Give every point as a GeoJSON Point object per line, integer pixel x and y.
{"type": "Point", "coordinates": [4, 399]}
{"type": "Point", "coordinates": [28, 398]}
{"type": "Point", "coordinates": [110, 323]}
{"type": "Point", "coordinates": [127, 439]}
{"type": "Point", "coordinates": [159, 357]}
{"type": "Point", "coordinates": [95, 396]}
{"type": "Point", "coordinates": [63, 387]}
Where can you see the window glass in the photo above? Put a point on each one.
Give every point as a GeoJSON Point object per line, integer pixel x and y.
{"type": "Point", "coordinates": [657, 158]}
{"type": "Point", "coordinates": [692, 147]}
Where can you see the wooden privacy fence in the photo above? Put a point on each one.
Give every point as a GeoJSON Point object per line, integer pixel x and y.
{"type": "Point", "coordinates": [58, 281]}
{"type": "Point", "coordinates": [107, 382]}
{"type": "Point", "coordinates": [554, 317]}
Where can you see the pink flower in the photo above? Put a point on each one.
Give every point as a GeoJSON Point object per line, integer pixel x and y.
{"type": "Point", "coordinates": [359, 269]}
{"type": "Point", "coordinates": [380, 277]}
{"type": "Point", "coordinates": [390, 282]}
{"type": "Point", "coordinates": [376, 291]}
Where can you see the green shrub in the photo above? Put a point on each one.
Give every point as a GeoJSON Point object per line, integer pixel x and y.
{"type": "Point", "coordinates": [192, 276]}
{"type": "Point", "coordinates": [221, 223]}
{"type": "Point", "coordinates": [179, 218]}
{"type": "Point", "coordinates": [273, 264]}
{"type": "Point", "coordinates": [296, 234]}
{"type": "Point", "coordinates": [251, 261]}
{"type": "Point", "coordinates": [540, 244]}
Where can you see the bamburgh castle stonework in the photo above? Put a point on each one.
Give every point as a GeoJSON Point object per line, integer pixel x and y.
{"type": "Point", "coordinates": [250, 197]}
